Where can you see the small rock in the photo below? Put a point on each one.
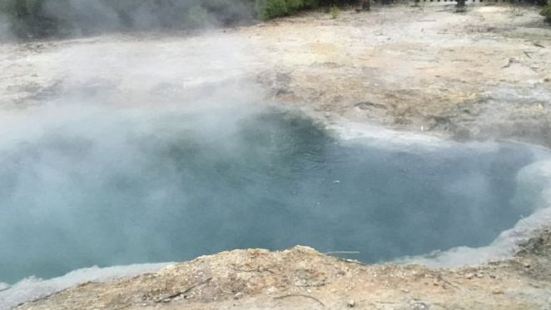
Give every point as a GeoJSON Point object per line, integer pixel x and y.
{"type": "Point", "coordinates": [469, 276]}
{"type": "Point", "coordinates": [351, 303]}
{"type": "Point", "coordinates": [238, 295]}
{"type": "Point", "coordinates": [418, 305]}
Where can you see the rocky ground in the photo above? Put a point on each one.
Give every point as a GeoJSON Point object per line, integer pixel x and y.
{"type": "Point", "coordinates": [482, 74]}
{"type": "Point", "coordinates": [301, 278]}
{"type": "Point", "coordinates": [479, 75]}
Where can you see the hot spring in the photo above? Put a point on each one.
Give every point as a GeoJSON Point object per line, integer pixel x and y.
{"type": "Point", "coordinates": [116, 186]}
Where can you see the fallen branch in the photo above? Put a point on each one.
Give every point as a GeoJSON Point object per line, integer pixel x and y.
{"type": "Point", "coordinates": [440, 278]}
{"type": "Point", "coordinates": [301, 295]}
{"type": "Point", "coordinates": [187, 290]}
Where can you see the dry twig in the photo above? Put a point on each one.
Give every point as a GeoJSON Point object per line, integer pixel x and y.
{"type": "Point", "coordinates": [187, 290]}
{"type": "Point", "coordinates": [301, 295]}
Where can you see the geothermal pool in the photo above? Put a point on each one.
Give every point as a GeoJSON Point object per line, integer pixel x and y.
{"type": "Point", "coordinates": [122, 186]}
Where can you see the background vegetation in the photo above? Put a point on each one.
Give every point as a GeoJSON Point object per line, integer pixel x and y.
{"type": "Point", "coordinates": [267, 9]}
{"type": "Point", "coordinates": [546, 12]}
{"type": "Point", "coordinates": [40, 18]}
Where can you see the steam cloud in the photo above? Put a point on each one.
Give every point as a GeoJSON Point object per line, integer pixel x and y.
{"type": "Point", "coordinates": [81, 17]}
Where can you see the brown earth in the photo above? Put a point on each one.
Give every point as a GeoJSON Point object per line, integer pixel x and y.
{"type": "Point", "coordinates": [483, 74]}
{"type": "Point", "coordinates": [302, 278]}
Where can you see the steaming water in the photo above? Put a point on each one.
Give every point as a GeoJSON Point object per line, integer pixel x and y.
{"type": "Point", "coordinates": [122, 186]}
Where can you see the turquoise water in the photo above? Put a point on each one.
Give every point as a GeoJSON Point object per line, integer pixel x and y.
{"type": "Point", "coordinates": [123, 187]}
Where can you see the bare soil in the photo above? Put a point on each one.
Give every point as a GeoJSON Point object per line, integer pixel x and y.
{"type": "Point", "coordinates": [301, 278]}
{"type": "Point", "coordinates": [479, 75]}
{"type": "Point", "coordinates": [483, 74]}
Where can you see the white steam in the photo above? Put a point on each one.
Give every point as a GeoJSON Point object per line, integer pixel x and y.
{"type": "Point", "coordinates": [88, 83]}
{"type": "Point", "coordinates": [533, 190]}
{"type": "Point", "coordinates": [86, 17]}
{"type": "Point", "coordinates": [33, 288]}
{"type": "Point", "coordinates": [5, 33]}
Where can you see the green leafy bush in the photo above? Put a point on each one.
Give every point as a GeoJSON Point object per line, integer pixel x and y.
{"type": "Point", "coordinates": [268, 9]}
{"type": "Point", "coordinates": [294, 6]}
{"type": "Point", "coordinates": [546, 12]}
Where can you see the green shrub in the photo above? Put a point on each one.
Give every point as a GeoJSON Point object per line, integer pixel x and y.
{"type": "Point", "coordinates": [335, 12]}
{"type": "Point", "coordinates": [311, 4]}
{"type": "Point", "coordinates": [268, 9]}
{"type": "Point", "coordinates": [294, 6]}
{"type": "Point", "coordinates": [546, 12]}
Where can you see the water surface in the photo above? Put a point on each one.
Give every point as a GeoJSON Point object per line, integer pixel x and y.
{"type": "Point", "coordinates": [122, 187]}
